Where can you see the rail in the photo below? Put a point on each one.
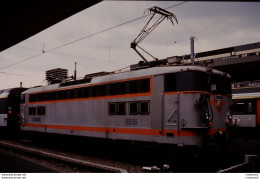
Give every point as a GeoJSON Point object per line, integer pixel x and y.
{"type": "Point", "coordinates": [64, 158]}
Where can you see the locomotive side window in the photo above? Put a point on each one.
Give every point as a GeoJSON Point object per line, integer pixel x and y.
{"type": "Point", "coordinates": [143, 85]}
{"type": "Point", "coordinates": [51, 96]}
{"type": "Point", "coordinates": [41, 110]}
{"type": "Point", "coordinates": [32, 110]}
{"type": "Point", "coordinates": [33, 97]}
{"type": "Point", "coordinates": [63, 94]}
{"type": "Point", "coordinates": [79, 92]}
{"type": "Point", "coordinates": [133, 88]}
{"type": "Point", "coordinates": [122, 88]}
{"type": "Point", "coordinates": [112, 89]}
{"type": "Point", "coordinates": [170, 82]}
{"type": "Point", "coordinates": [133, 108]}
{"type": "Point", "coordinates": [121, 109]}
{"type": "Point", "coordinates": [117, 108]}
{"type": "Point", "coordinates": [100, 90]}
{"type": "Point", "coordinates": [112, 108]}
{"type": "Point", "coordinates": [86, 92]}
{"type": "Point", "coordinates": [41, 96]}
{"type": "Point", "coordinates": [119, 88]}
{"type": "Point", "coordinates": [144, 107]}
{"type": "Point", "coordinates": [72, 93]}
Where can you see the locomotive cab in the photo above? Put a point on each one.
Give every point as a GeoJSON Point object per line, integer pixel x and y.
{"type": "Point", "coordinates": [197, 103]}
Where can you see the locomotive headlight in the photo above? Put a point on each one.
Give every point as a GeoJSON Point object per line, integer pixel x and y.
{"type": "Point", "coordinates": [208, 119]}
{"type": "Point", "coordinates": [229, 118]}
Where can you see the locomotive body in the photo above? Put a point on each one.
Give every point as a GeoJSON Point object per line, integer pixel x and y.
{"type": "Point", "coordinates": [180, 105]}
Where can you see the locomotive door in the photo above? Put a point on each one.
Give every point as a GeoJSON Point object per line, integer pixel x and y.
{"type": "Point", "coordinates": [171, 113]}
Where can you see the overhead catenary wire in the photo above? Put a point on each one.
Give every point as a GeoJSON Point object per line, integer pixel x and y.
{"type": "Point", "coordinates": [78, 56]}
{"type": "Point", "coordinates": [88, 36]}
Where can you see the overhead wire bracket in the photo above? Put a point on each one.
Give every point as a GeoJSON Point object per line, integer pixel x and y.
{"type": "Point", "coordinates": [146, 31]}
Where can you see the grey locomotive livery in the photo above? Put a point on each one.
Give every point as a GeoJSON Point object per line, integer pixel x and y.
{"type": "Point", "coordinates": [182, 105]}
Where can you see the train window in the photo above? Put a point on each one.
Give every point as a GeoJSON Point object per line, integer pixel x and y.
{"type": "Point", "coordinates": [100, 90]}
{"type": "Point", "coordinates": [143, 85]}
{"type": "Point", "coordinates": [79, 92]}
{"type": "Point", "coordinates": [249, 107]}
{"type": "Point", "coordinates": [238, 106]}
{"type": "Point", "coordinates": [144, 107]}
{"type": "Point", "coordinates": [32, 110]}
{"type": "Point", "coordinates": [192, 81]}
{"type": "Point", "coordinates": [122, 88]}
{"type": "Point", "coordinates": [112, 89]}
{"type": "Point", "coordinates": [72, 93]}
{"type": "Point", "coordinates": [41, 97]}
{"type": "Point", "coordinates": [63, 94]}
{"type": "Point", "coordinates": [117, 88]}
{"type": "Point", "coordinates": [133, 108]}
{"type": "Point", "coordinates": [94, 91]}
{"type": "Point", "coordinates": [121, 109]}
{"type": "Point", "coordinates": [244, 106]}
{"type": "Point", "coordinates": [33, 97]}
{"type": "Point", "coordinates": [112, 108]}
{"type": "Point", "coordinates": [133, 87]}
{"type": "Point", "coordinates": [86, 92]}
{"type": "Point", "coordinates": [51, 96]}
{"type": "Point", "coordinates": [41, 110]}
{"type": "Point", "coordinates": [170, 82]}
{"type": "Point", "coordinates": [223, 84]}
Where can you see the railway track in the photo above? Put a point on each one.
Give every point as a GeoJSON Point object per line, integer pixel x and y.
{"type": "Point", "coordinates": [65, 162]}
{"type": "Point", "coordinates": [69, 154]}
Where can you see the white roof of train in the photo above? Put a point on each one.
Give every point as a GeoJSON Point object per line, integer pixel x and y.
{"type": "Point", "coordinates": [130, 74]}
{"type": "Point", "coordinates": [246, 95]}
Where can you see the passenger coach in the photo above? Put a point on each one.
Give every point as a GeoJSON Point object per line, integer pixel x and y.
{"type": "Point", "coordinates": [182, 105]}
{"type": "Point", "coordinates": [10, 107]}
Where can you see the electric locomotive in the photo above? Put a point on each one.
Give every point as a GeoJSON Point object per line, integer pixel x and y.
{"type": "Point", "coordinates": [176, 105]}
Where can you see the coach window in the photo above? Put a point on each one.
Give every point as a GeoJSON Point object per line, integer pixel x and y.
{"type": "Point", "coordinates": [133, 108]}
{"type": "Point", "coordinates": [112, 108]}
{"type": "Point", "coordinates": [239, 107]}
{"type": "Point", "coordinates": [121, 109]}
{"type": "Point", "coordinates": [144, 107]}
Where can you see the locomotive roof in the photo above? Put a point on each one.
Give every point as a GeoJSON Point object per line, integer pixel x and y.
{"type": "Point", "coordinates": [130, 75]}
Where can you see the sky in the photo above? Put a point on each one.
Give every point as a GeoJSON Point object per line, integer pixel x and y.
{"type": "Point", "coordinates": [85, 37]}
